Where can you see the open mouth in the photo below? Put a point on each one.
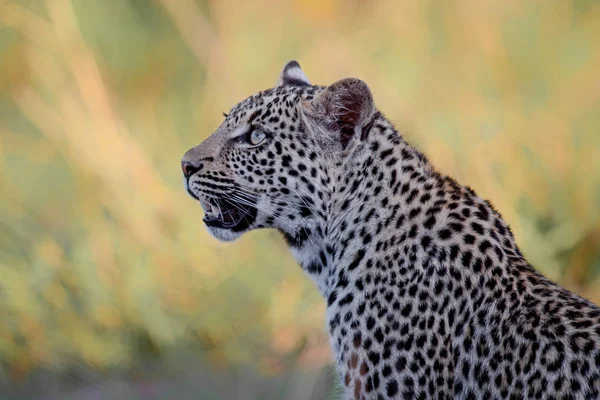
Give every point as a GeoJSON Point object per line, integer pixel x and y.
{"type": "Point", "coordinates": [225, 214]}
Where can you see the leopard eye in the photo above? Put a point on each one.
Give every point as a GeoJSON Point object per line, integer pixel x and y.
{"type": "Point", "coordinates": [256, 137]}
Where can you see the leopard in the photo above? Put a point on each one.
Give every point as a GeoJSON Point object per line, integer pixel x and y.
{"type": "Point", "coordinates": [427, 294]}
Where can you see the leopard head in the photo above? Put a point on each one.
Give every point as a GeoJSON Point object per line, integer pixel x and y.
{"type": "Point", "coordinates": [278, 156]}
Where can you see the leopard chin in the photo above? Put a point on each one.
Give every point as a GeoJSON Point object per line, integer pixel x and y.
{"type": "Point", "coordinates": [223, 234]}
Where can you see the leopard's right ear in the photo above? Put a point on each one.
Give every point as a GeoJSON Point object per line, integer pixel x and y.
{"type": "Point", "coordinates": [292, 75]}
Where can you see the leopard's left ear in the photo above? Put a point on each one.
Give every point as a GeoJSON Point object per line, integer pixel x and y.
{"type": "Point", "coordinates": [345, 109]}
{"type": "Point", "coordinates": [292, 75]}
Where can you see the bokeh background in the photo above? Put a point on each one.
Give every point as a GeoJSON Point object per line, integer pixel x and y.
{"type": "Point", "coordinates": [110, 286]}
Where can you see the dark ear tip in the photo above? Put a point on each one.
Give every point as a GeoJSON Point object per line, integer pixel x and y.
{"type": "Point", "coordinates": [292, 75]}
{"type": "Point", "coordinates": [291, 64]}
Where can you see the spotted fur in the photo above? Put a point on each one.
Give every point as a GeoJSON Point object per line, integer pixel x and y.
{"type": "Point", "coordinates": [428, 295]}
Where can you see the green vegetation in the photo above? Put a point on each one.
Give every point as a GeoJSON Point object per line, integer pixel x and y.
{"type": "Point", "coordinates": [104, 260]}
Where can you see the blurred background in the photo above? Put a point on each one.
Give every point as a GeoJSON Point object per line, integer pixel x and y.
{"type": "Point", "coordinates": [110, 287]}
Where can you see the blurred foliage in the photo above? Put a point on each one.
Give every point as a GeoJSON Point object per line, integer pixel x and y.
{"type": "Point", "coordinates": [104, 260]}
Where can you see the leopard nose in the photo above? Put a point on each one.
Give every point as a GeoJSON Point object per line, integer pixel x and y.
{"type": "Point", "coordinates": [189, 169]}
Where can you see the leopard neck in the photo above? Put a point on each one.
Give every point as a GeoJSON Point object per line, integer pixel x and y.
{"type": "Point", "coordinates": [373, 172]}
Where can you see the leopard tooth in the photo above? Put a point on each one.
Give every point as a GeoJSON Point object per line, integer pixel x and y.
{"type": "Point", "coordinates": [205, 207]}
{"type": "Point", "coordinates": [209, 209]}
{"type": "Point", "coordinates": [215, 211]}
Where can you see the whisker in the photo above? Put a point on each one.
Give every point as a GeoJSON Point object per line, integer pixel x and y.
{"type": "Point", "coordinates": [251, 204]}
{"type": "Point", "coordinates": [296, 190]}
{"type": "Point", "coordinates": [277, 204]}
{"type": "Point", "coordinates": [312, 238]}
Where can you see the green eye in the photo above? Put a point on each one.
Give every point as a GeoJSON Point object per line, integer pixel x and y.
{"type": "Point", "coordinates": [256, 137]}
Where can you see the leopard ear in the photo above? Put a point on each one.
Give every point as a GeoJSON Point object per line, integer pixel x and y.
{"type": "Point", "coordinates": [292, 75]}
{"type": "Point", "coordinates": [345, 108]}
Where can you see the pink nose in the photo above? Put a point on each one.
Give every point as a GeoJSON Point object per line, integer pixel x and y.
{"type": "Point", "coordinates": [188, 169]}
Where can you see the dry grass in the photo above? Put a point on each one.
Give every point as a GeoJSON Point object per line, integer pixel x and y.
{"type": "Point", "coordinates": [99, 245]}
